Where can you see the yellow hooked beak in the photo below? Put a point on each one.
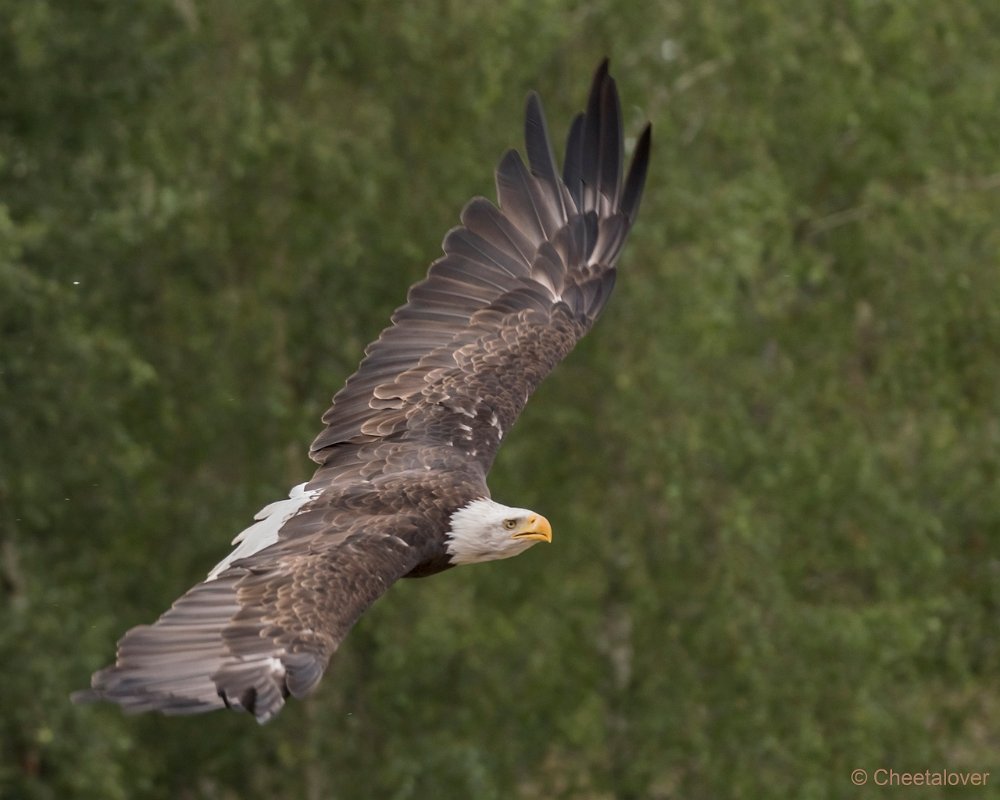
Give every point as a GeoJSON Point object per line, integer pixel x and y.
{"type": "Point", "coordinates": [535, 528]}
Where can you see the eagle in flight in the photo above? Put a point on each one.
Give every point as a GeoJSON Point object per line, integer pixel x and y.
{"type": "Point", "coordinates": [401, 487]}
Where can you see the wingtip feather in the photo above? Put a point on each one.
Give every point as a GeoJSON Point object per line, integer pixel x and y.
{"type": "Point", "coordinates": [636, 179]}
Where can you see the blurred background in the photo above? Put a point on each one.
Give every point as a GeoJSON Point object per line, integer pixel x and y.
{"type": "Point", "coordinates": [772, 469]}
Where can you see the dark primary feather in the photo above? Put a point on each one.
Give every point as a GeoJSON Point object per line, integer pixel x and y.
{"type": "Point", "coordinates": [411, 435]}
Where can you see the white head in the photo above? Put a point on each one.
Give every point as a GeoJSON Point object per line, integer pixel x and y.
{"type": "Point", "coordinates": [487, 531]}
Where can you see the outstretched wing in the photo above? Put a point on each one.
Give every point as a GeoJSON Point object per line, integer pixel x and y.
{"type": "Point", "coordinates": [516, 289]}
{"type": "Point", "coordinates": [264, 627]}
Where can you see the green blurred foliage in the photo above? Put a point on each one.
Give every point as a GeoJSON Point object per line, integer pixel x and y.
{"type": "Point", "coordinates": [773, 468]}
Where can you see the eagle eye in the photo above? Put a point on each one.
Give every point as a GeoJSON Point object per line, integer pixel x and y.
{"type": "Point", "coordinates": [510, 524]}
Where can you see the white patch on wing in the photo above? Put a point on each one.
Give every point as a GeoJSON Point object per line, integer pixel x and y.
{"type": "Point", "coordinates": [264, 532]}
{"type": "Point", "coordinates": [496, 424]}
{"type": "Point", "coordinates": [275, 666]}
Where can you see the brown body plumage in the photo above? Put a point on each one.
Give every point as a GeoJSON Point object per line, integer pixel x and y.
{"type": "Point", "coordinates": [409, 439]}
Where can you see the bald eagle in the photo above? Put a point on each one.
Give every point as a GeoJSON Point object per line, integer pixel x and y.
{"type": "Point", "coordinates": [401, 487]}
